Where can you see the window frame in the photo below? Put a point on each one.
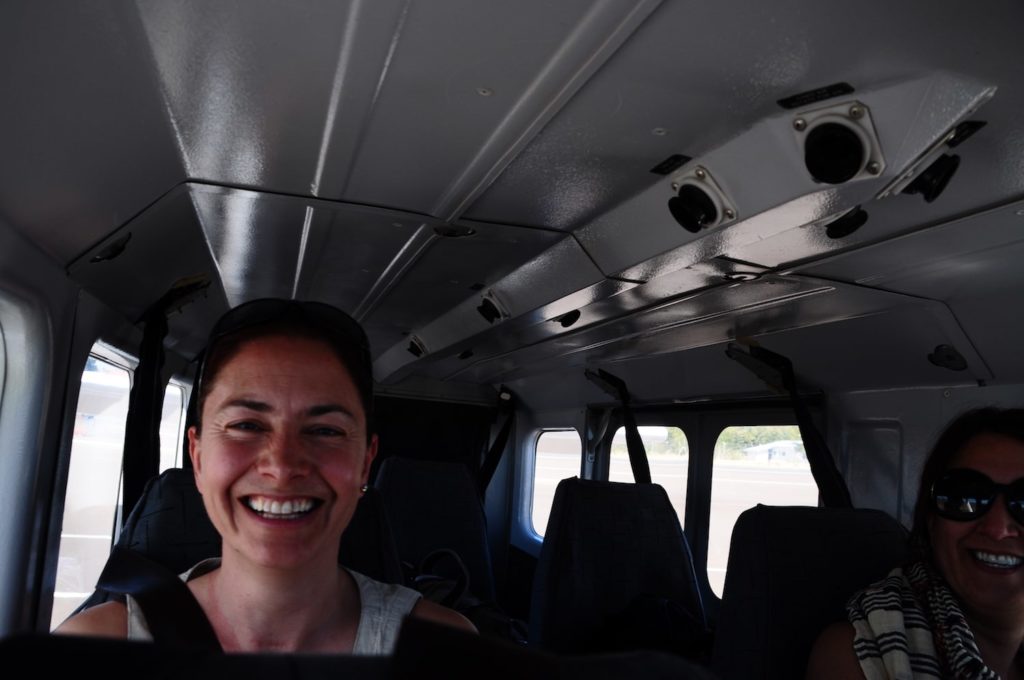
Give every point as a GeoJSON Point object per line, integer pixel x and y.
{"type": "Point", "coordinates": [531, 476]}
{"type": "Point", "coordinates": [702, 423]}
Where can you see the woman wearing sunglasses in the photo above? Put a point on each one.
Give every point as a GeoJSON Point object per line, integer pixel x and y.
{"type": "Point", "coordinates": [281, 451]}
{"type": "Point", "coordinates": [957, 610]}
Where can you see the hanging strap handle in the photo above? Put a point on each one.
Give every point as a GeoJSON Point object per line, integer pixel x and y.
{"type": "Point", "coordinates": [777, 371]}
{"type": "Point", "coordinates": [616, 387]}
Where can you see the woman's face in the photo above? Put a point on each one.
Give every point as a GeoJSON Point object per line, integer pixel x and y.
{"type": "Point", "coordinates": [983, 560]}
{"type": "Point", "coordinates": [283, 452]}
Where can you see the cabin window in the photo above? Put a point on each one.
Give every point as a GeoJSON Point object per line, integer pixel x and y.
{"type": "Point", "coordinates": [668, 454]}
{"type": "Point", "coordinates": [753, 464]}
{"type": "Point", "coordinates": [94, 474]}
{"type": "Point", "coordinates": [172, 421]}
{"type": "Point", "coordinates": [94, 479]}
{"type": "Point", "coordinates": [557, 456]}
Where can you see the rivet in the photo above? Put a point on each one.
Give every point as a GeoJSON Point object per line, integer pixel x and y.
{"type": "Point", "coordinates": [675, 187]}
{"type": "Point", "coordinates": [799, 124]}
{"type": "Point", "coordinates": [700, 173]}
{"type": "Point", "coordinates": [484, 91]}
{"type": "Point", "coordinates": [729, 213]}
{"type": "Point", "coordinates": [856, 111]}
{"type": "Point", "coordinates": [659, 132]}
{"type": "Point", "coordinates": [874, 168]}
{"type": "Point", "coordinates": [945, 393]}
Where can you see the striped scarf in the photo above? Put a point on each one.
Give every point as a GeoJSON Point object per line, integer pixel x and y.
{"type": "Point", "coordinates": [909, 626]}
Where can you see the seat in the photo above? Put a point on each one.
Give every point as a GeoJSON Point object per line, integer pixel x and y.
{"type": "Point", "coordinates": [616, 572]}
{"type": "Point", "coordinates": [790, 573]}
{"type": "Point", "coordinates": [169, 525]}
{"type": "Point", "coordinates": [435, 505]}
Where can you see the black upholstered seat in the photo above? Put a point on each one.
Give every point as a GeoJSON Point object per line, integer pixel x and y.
{"type": "Point", "coordinates": [615, 571]}
{"type": "Point", "coordinates": [169, 525]}
{"type": "Point", "coordinates": [790, 572]}
{"type": "Point", "coordinates": [436, 505]}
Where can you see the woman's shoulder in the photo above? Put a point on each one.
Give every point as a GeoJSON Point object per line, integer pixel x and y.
{"type": "Point", "coordinates": [832, 655]}
{"type": "Point", "coordinates": [109, 619]}
{"type": "Point", "coordinates": [435, 613]}
{"type": "Point", "coordinates": [420, 607]}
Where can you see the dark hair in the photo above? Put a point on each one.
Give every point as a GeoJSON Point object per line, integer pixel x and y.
{"type": "Point", "coordinates": [272, 317]}
{"type": "Point", "coordinates": [1003, 422]}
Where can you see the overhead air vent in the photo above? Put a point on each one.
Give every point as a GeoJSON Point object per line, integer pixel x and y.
{"type": "Point", "coordinates": [491, 309]}
{"type": "Point", "coordinates": [946, 356]}
{"type": "Point", "coordinates": [452, 231]}
{"type": "Point", "coordinates": [113, 250]}
{"type": "Point", "coordinates": [848, 223]}
{"type": "Point", "coordinates": [839, 143]}
{"type": "Point", "coordinates": [416, 347]}
{"type": "Point", "coordinates": [569, 318]}
{"type": "Point", "coordinates": [699, 202]}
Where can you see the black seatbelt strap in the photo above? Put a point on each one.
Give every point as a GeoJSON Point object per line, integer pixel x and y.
{"type": "Point", "coordinates": [172, 612]}
{"type": "Point", "coordinates": [141, 457]}
{"type": "Point", "coordinates": [506, 407]}
{"type": "Point", "coordinates": [145, 404]}
{"type": "Point", "coordinates": [616, 387]}
{"type": "Point", "coordinates": [777, 371]}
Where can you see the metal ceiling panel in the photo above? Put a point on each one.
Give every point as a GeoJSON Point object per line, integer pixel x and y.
{"type": "Point", "coordinates": [556, 281]}
{"type": "Point", "coordinates": [262, 94]}
{"type": "Point", "coordinates": [135, 266]}
{"type": "Point", "coordinates": [482, 78]}
{"type": "Point", "coordinates": [695, 73]}
{"type": "Point", "coordinates": [451, 270]}
{"type": "Point", "coordinates": [754, 309]}
{"type": "Point", "coordinates": [83, 126]}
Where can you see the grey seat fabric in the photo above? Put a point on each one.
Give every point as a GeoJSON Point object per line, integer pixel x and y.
{"type": "Point", "coordinates": [169, 525]}
{"type": "Point", "coordinates": [790, 573]}
{"type": "Point", "coordinates": [615, 572]}
{"type": "Point", "coordinates": [435, 505]}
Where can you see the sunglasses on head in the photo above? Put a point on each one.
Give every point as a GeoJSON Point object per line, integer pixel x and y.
{"type": "Point", "coordinates": [338, 325]}
{"type": "Point", "coordinates": [964, 495]}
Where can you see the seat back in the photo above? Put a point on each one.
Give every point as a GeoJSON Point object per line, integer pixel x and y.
{"type": "Point", "coordinates": [790, 573]}
{"type": "Point", "coordinates": [435, 505]}
{"type": "Point", "coordinates": [169, 525]}
{"type": "Point", "coordinates": [614, 568]}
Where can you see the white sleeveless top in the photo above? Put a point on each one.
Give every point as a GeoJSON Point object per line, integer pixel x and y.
{"type": "Point", "coordinates": [382, 608]}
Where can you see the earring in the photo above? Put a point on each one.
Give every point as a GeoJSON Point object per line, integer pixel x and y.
{"type": "Point", "coordinates": [364, 488]}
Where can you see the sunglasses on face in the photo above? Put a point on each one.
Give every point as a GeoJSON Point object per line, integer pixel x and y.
{"type": "Point", "coordinates": [964, 495]}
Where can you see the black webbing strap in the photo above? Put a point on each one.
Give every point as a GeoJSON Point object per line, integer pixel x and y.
{"type": "Point", "coordinates": [616, 387]}
{"type": "Point", "coordinates": [497, 449]}
{"type": "Point", "coordinates": [777, 371]}
{"type": "Point", "coordinates": [145, 406]}
{"type": "Point", "coordinates": [141, 460]}
{"type": "Point", "coordinates": [172, 612]}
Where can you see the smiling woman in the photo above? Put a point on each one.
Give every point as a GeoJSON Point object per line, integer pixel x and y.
{"type": "Point", "coordinates": [282, 451]}
{"type": "Point", "coordinates": [957, 611]}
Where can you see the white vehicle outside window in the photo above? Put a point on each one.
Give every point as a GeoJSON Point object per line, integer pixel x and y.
{"type": "Point", "coordinates": [763, 464]}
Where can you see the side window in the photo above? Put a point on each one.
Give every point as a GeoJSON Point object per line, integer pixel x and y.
{"type": "Point", "coordinates": [172, 422]}
{"type": "Point", "coordinates": [753, 464]}
{"type": "Point", "coordinates": [94, 479]}
{"type": "Point", "coordinates": [558, 456]}
{"type": "Point", "coordinates": [94, 476]}
{"type": "Point", "coordinates": [668, 454]}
